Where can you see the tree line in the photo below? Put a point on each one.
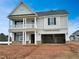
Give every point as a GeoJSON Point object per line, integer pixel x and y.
{"type": "Point", "coordinates": [3, 37]}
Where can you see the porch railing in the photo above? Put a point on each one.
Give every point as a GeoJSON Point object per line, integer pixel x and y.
{"type": "Point", "coordinates": [21, 26]}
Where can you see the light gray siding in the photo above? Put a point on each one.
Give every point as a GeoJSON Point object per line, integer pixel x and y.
{"type": "Point", "coordinates": [46, 26]}
{"type": "Point", "coordinates": [28, 37]}
{"type": "Point", "coordinates": [38, 36]}
{"type": "Point", "coordinates": [40, 23]}
{"type": "Point", "coordinates": [63, 21]}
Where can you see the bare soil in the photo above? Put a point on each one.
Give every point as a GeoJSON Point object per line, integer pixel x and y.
{"type": "Point", "coordinates": [44, 51]}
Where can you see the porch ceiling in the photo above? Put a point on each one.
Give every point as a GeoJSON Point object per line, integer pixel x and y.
{"type": "Point", "coordinates": [20, 17]}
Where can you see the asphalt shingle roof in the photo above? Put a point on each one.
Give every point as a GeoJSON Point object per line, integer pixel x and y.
{"type": "Point", "coordinates": [45, 13]}
{"type": "Point", "coordinates": [51, 12]}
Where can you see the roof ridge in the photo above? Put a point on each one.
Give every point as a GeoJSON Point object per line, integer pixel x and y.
{"type": "Point", "coordinates": [51, 10]}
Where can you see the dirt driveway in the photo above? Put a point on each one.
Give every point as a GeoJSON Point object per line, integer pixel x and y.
{"type": "Point", "coordinates": [48, 51]}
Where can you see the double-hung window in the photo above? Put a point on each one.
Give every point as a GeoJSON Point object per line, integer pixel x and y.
{"type": "Point", "coordinates": [52, 21]}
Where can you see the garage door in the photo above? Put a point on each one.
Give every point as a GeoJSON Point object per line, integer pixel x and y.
{"type": "Point", "coordinates": [53, 38]}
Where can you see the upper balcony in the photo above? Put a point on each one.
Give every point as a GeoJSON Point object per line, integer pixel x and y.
{"type": "Point", "coordinates": [18, 22]}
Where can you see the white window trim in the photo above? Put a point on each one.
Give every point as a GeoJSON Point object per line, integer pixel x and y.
{"type": "Point", "coordinates": [51, 18]}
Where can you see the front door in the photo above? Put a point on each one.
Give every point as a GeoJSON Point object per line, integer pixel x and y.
{"type": "Point", "coordinates": [32, 39]}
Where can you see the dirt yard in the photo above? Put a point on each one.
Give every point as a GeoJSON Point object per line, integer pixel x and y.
{"type": "Point", "coordinates": [48, 51]}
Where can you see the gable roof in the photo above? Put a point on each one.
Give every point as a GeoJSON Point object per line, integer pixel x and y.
{"type": "Point", "coordinates": [30, 12]}
{"type": "Point", "coordinates": [23, 6]}
{"type": "Point", "coordinates": [52, 12]}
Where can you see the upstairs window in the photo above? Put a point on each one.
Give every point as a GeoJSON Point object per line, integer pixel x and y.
{"type": "Point", "coordinates": [52, 21]}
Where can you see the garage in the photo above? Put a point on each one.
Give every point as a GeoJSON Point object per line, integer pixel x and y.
{"type": "Point", "coordinates": [53, 38]}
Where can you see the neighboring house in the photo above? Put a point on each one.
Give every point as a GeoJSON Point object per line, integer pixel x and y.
{"type": "Point", "coordinates": [28, 27]}
{"type": "Point", "coordinates": [75, 36]}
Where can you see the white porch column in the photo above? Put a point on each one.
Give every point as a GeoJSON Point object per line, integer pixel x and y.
{"type": "Point", "coordinates": [9, 34]}
{"type": "Point", "coordinates": [9, 23]}
{"type": "Point", "coordinates": [12, 24]}
{"type": "Point", "coordinates": [35, 37]}
{"type": "Point", "coordinates": [12, 36]}
{"type": "Point", "coordinates": [23, 22]}
{"type": "Point", "coordinates": [35, 25]}
{"type": "Point", "coordinates": [23, 38]}
{"type": "Point", "coordinates": [9, 38]}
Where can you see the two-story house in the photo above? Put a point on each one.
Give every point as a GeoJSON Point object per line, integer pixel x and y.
{"type": "Point", "coordinates": [28, 27]}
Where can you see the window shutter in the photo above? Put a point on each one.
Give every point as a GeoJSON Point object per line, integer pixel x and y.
{"type": "Point", "coordinates": [48, 21]}
{"type": "Point", "coordinates": [54, 21]}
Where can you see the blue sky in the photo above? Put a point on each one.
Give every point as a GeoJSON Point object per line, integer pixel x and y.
{"type": "Point", "coordinates": [72, 6]}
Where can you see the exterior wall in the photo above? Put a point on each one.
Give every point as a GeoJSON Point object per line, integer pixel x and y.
{"type": "Point", "coordinates": [40, 23]}
{"type": "Point", "coordinates": [28, 37]}
{"type": "Point", "coordinates": [61, 22]}
{"type": "Point", "coordinates": [46, 26]}
{"type": "Point", "coordinates": [52, 31]}
{"type": "Point", "coordinates": [38, 37]}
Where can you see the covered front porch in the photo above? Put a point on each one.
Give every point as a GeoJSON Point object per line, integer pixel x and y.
{"type": "Point", "coordinates": [23, 38]}
{"type": "Point", "coordinates": [21, 27]}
